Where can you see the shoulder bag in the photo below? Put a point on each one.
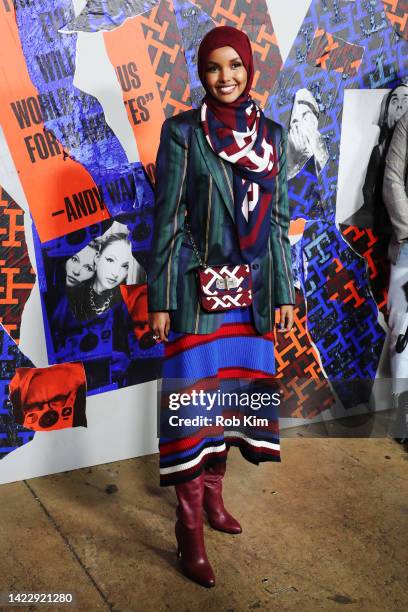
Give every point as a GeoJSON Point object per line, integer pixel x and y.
{"type": "Point", "coordinates": [222, 287]}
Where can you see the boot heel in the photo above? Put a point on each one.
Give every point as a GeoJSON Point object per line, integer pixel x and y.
{"type": "Point", "coordinates": [189, 533]}
{"type": "Point", "coordinates": [178, 541]}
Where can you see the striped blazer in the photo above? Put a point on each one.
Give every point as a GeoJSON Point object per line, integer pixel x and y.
{"type": "Point", "coordinates": [191, 179]}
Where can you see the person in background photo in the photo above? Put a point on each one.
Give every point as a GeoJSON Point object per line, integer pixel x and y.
{"type": "Point", "coordinates": [395, 193]}
{"type": "Point", "coordinates": [91, 320]}
{"type": "Point", "coordinates": [304, 138]}
{"type": "Point", "coordinates": [373, 213]}
{"type": "Point", "coordinates": [81, 266]}
{"type": "Point", "coordinates": [101, 291]}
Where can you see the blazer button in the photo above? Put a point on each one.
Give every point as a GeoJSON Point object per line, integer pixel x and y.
{"type": "Point", "coordinates": [255, 266]}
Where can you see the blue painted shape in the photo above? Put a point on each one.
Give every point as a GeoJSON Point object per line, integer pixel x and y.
{"type": "Point", "coordinates": [193, 23]}
{"type": "Point", "coordinates": [304, 194]}
{"type": "Point", "coordinates": [105, 15]}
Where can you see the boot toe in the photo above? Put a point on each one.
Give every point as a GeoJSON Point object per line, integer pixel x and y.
{"type": "Point", "coordinates": [201, 573]}
{"type": "Point", "coordinates": [226, 523]}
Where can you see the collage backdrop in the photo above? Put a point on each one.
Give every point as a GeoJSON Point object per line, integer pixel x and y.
{"type": "Point", "coordinates": [91, 201]}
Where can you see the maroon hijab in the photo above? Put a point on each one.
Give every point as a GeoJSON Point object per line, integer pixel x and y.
{"type": "Point", "coordinates": [225, 36]}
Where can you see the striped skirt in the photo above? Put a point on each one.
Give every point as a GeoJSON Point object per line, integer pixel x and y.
{"type": "Point", "coordinates": [210, 398]}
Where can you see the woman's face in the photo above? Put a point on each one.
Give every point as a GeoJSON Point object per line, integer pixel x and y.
{"type": "Point", "coordinates": [226, 76]}
{"type": "Point", "coordinates": [112, 265]}
{"type": "Point", "coordinates": [398, 105]}
{"type": "Point", "coordinates": [80, 267]}
{"type": "Point", "coordinates": [303, 115]}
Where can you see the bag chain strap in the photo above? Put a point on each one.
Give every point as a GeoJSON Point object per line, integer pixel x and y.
{"type": "Point", "coordinates": [195, 249]}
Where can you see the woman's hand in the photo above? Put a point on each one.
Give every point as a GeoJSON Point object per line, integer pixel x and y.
{"type": "Point", "coordinates": [286, 318]}
{"type": "Point", "coordinates": [298, 139]}
{"type": "Point", "coordinates": [159, 323]}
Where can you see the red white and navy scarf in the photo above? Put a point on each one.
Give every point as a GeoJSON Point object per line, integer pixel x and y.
{"type": "Point", "coordinates": [248, 147]}
{"type": "Point", "coordinates": [238, 133]}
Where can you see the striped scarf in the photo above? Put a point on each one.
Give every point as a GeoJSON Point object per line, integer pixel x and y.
{"type": "Point", "coordinates": [246, 144]}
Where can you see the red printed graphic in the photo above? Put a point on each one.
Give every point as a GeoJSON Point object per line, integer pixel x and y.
{"type": "Point", "coordinates": [330, 52]}
{"type": "Point", "coordinates": [45, 399]}
{"type": "Point", "coordinates": [397, 13]}
{"type": "Point", "coordinates": [305, 389]}
{"type": "Point", "coordinates": [16, 274]}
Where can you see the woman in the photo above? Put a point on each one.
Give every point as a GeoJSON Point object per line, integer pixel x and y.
{"type": "Point", "coordinates": [81, 266]}
{"type": "Point", "coordinates": [101, 292]}
{"type": "Point", "coordinates": [395, 194]}
{"type": "Point", "coordinates": [224, 167]}
{"type": "Point", "coordinates": [304, 138]}
{"type": "Point", "coordinates": [373, 213]}
{"type": "Point", "coordinates": [92, 322]}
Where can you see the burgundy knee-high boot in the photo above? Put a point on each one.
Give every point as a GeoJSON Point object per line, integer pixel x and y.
{"type": "Point", "coordinates": [218, 516]}
{"type": "Point", "coordinates": [190, 532]}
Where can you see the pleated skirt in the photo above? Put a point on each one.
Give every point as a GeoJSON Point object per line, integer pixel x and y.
{"type": "Point", "coordinates": [232, 362]}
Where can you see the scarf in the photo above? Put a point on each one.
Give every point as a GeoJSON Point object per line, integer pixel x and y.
{"type": "Point", "coordinates": [238, 133]}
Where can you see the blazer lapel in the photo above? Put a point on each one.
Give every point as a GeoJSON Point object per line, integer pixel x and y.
{"type": "Point", "coordinates": [221, 171]}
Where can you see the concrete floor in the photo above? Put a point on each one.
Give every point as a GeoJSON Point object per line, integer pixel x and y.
{"type": "Point", "coordinates": [326, 529]}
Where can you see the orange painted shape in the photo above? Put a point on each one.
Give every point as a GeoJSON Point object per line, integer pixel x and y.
{"type": "Point", "coordinates": [13, 228]}
{"type": "Point", "coordinates": [135, 298]}
{"type": "Point", "coordinates": [339, 265]}
{"type": "Point", "coordinates": [297, 227]}
{"type": "Point", "coordinates": [393, 4]}
{"type": "Point", "coordinates": [128, 51]}
{"type": "Point", "coordinates": [372, 237]}
{"type": "Point", "coordinates": [322, 61]}
{"type": "Point", "coordinates": [47, 181]}
{"type": "Point", "coordinates": [370, 263]}
{"type": "Point", "coordinates": [10, 328]}
{"type": "Point", "coordinates": [264, 35]}
{"type": "Point", "coordinates": [353, 294]}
